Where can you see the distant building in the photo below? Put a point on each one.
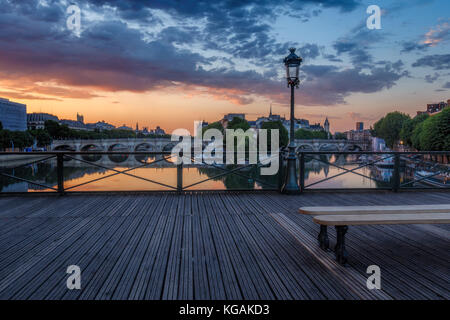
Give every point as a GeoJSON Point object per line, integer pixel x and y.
{"type": "Point", "coordinates": [13, 115]}
{"type": "Point", "coordinates": [80, 118]}
{"type": "Point", "coordinates": [363, 135]}
{"type": "Point", "coordinates": [159, 131]}
{"type": "Point", "coordinates": [378, 144]}
{"type": "Point", "coordinates": [359, 126]}
{"type": "Point", "coordinates": [326, 125]}
{"type": "Point", "coordinates": [101, 125]}
{"type": "Point", "coordinates": [435, 107]}
{"type": "Point", "coordinates": [316, 127]}
{"type": "Point", "coordinates": [124, 127]}
{"type": "Point", "coordinates": [303, 123]}
{"type": "Point", "coordinates": [37, 120]}
{"type": "Point", "coordinates": [75, 125]}
{"type": "Point", "coordinates": [229, 117]}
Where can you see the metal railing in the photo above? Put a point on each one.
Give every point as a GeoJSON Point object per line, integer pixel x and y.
{"type": "Point", "coordinates": [403, 167]}
{"type": "Point", "coordinates": [396, 162]}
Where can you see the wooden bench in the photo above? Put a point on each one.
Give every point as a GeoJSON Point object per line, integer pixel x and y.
{"type": "Point", "coordinates": [342, 217]}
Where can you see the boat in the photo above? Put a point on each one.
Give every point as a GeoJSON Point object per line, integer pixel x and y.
{"type": "Point", "coordinates": [386, 163]}
{"type": "Point", "coordinates": [433, 178]}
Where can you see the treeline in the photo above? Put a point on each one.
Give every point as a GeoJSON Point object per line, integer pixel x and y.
{"type": "Point", "coordinates": [423, 132]}
{"type": "Point", "coordinates": [54, 131]}
{"type": "Point", "coordinates": [238, 123]}
{"type": "Point", "coordinates": [16, 139]}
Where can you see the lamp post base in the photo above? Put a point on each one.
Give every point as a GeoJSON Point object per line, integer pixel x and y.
{"type": "Point", "coordinates": [290, 185]}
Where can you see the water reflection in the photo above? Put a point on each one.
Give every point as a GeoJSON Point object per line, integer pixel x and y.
{"type": "Point", "coordinates": [319, 169]}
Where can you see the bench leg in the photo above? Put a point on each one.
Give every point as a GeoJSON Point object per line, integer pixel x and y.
{"type": "Point", "coordinates": [341, 253]}
{"type": "Point", "coordinates": [324, 242]}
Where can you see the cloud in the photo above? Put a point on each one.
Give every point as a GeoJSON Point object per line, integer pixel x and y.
{"type": "Point", "coordinates": [115, 55]}
{"type": "Point", "coordinates": [432, 78]}
{"type": "Point", "coordinates": [436, 61]}
{"type": "Point", "coordinates": [436, 35]}
{"type": "Point", "coordinates": [439, 34]}
{"type": "Point", "coordinates": [447, 85]}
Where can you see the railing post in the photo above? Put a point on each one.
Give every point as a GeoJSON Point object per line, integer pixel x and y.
{"type": "Point", "coordinates": [280, 170]}
{"type": "Point", "coordinates": [302, 171]}
{"type": "Point", "coordinates": [180, 173]}
{"type": "Point", "coordinates": [60, 172]}
{"type": "Point", "coordinates": [396, 182]}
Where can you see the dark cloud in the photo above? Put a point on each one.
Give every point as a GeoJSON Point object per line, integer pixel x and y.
{"type": "Point", "coordinates": [409, 46]}
{"type": "Point", "coordinates": [111, 55]}
{"type": "Point", "coordinates": [447, 85]}
{"type": "Point", "coordinates": [436, 61]}
{"type": "Point", "coordinates": [432, 78]}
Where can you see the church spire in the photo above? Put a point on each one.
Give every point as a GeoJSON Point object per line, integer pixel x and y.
{"type": "Point", "coordinates": [270, 114]}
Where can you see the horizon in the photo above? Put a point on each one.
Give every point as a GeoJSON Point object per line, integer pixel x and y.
{"type": "Point", "coordinates": [160, 64]}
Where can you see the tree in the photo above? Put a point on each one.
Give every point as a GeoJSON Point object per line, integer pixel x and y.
{"type": "Point", "coordinates": [238, 123]}
{"type": "Point", "coordinates": [215, 125]}
{"type": "Point", "coordinates": [42, 137]}
{"type": "Point", "coordinates": [434, 134]}
{"type": "Point", "coordinates": [409, 126]}
{"type": "Point", "coordinates": [340, 136]}
{"type": "Point", "coordinates": [283, 133]}
{"type": "Point", "coordinates": [389, 127]}
{"type": "Point", "coordinates": [1, 126]}
{"type": "Point", "coordinates": [304, 134]}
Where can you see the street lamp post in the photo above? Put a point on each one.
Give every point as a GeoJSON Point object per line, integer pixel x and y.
{"type": "Point", "coordinates": [292, 63]}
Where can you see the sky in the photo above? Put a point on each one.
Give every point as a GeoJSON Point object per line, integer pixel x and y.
{"type": "Point", "coordinates": [170, 62]}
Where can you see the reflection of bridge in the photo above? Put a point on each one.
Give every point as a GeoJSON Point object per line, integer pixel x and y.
{"type": "Point", "coordinates": [165, 144]}
{"type": "Point", "coordinates": [125, 161]}
{"type": "Point", "coordinates": [332, 145]}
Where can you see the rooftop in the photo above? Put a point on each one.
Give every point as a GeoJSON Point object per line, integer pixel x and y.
{"type": "Point", "coordinates": [224, 245]}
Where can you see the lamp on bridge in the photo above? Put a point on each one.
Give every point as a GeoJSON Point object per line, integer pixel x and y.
{"type": "Point", "coordinates": [292, 63]}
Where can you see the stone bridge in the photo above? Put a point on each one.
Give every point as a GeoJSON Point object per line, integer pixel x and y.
{"type": "Point", "coordinates": [332, 145]}
{"type": "Point", "coordinates": [131, 145]}
{"type": "Point", "coordinates": [165, 144]}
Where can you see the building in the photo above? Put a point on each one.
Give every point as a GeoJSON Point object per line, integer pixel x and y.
{"type": "Point", "coordinates": [13, 115]}
{"type": "Point", "coordinates": [363, 135]}
{"type": "Point", "coordinates": [36, 121]}
{"type": "Point", "coordinates": [159, 131]}
{"type": "Point", "coordinates": [101, 125]}
{"type": "Point", "coordinates": [359, 126]}
{"type": "Point", "coordinates": [435, 107]}
{"type": "Point", "coordinates": [316, 127]}
{"type": "Point", "coordinates": [75, 125]}
{"type": "Point", "coordinates": [229, 117]}
{"type": "Point", "coordinates": [326, 125]}
{"type": "Point", "coordinates": [124, 127]}
{"type": "Point", "coordinates": [80, 118]}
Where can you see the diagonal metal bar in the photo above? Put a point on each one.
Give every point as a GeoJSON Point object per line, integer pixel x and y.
{"type": "Point", "coordinates": [25, 180]}
{"type": "Point", "coordinates": [347, 171]}
{"type": "Point", "coordinates": [236, 173]}
{"type": "Point", "coordinates": [117, 172]}
{"type": "Point", "coordinates": [418, 180]}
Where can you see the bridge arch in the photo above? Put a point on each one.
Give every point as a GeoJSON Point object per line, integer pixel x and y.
{"type": "Point", "coordinates": [329, 147]}
{"type": "Point", "coordinates": [65, 147]}
{"type": "Point", "coordinates": [305, 148]}
{"type": "Point", "coordinates": [91, 147]}
{"type": "Point", "coordinates": [118, 147]}
{"type": "Point", "coordinates": [144, 146]}
{"type": "Point", "coordinates": [353, 147]}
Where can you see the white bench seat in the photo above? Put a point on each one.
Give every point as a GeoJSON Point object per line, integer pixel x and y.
{"type": "Point", "coordinates": [379, 219]}
{"type": "Point", "coordinates": [315, 211]}
{"type": "Point", "coordinates": [342, 217]}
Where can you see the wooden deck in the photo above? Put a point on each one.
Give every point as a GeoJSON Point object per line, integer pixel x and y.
{"type": "Point", "coordinates": [213, 246]}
